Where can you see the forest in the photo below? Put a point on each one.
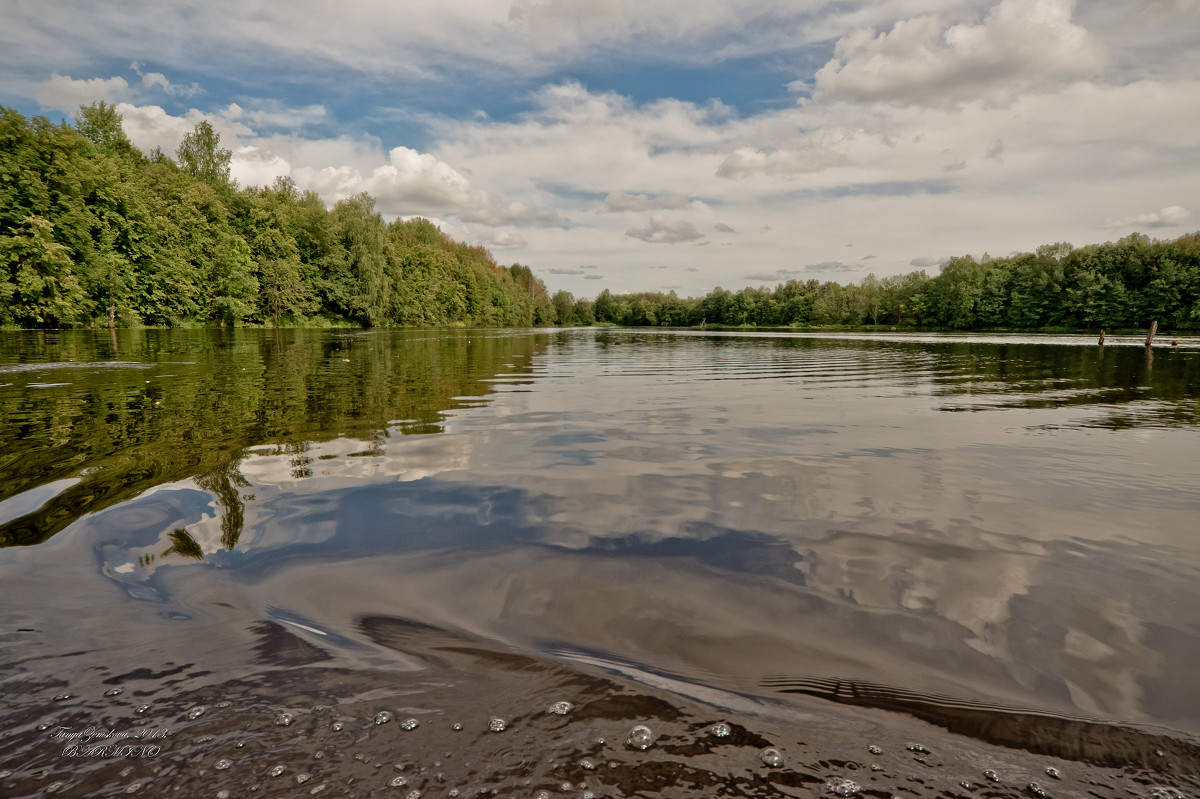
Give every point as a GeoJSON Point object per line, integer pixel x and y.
{"type": "Point", "coordinates": [93, 232]}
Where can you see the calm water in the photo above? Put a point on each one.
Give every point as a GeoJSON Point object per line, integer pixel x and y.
{"type": "Point", "coordinates": [908, 564]}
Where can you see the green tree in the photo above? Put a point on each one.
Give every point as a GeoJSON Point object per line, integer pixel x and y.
{"type": "Point", "coordinates": [200, 155]}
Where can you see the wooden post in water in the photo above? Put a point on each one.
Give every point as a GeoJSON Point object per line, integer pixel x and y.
{"type": "Point", "coordinates": [1153, 330]}
{"type": "Point", "coordinates": [1101, 337]}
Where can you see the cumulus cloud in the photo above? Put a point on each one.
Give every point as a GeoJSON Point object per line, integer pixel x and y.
{"type": "Point", "coordinates": [926, 260]}
{"type": "Point", "coordinates": [593, 277]}
{"type": "Point", "coordinates": [1021, 45]}
{"type": "Point", "coordinates": [560, 271]}
{"type": "Point", "coordinates": [1171, 216]}
{"type": "Point", "coordinates": [721, 227]}
{"type": "Point", "coordinates": [158, 81]}
{"type": "Point", "coordinates": [618, 201]}
{"type": "Point", "coordinates": [64, 93]}
{"type": "Point", "coordinates": [661, 230]}
{"type": "Point", "coordinates": [749, 161]}
{"type": "Point", "coordinates": [412, 182]}
{"type": "Point", "coordinates": [257, 166]}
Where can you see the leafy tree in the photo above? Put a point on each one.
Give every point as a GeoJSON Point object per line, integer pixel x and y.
{"type": "Point", "coordinates": [201, 156]}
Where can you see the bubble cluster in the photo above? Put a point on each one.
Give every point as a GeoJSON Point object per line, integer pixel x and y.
{"type": "Point", "coordinates": [409, 724]}
{"type": "Point", "coordinates": [1053, 774]}
{"type": "Point", "coordinates": [284, 720]}
{"type": "Point", "coordinates": [497, 724]}
{"type": "Point", "coordinates": [195, 712]}
{"type": "Point", "coordinates": [560, 708]}
{"type": "Point", "coordinates": [720, 730]}
{"type": "Point", "coordinates": [875, 750]}
{"type": "Point", "coordinates": [222, 764]}
{"type": "Point", "coordinates": [843, 788]}
{"type": "Point", "coordinates": [991, 776]}
{"type": "Point", "coordinates": [382, 717]}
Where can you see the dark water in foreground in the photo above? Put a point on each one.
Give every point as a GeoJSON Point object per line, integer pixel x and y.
{"type": "Point", "coordinates": [914, 566]}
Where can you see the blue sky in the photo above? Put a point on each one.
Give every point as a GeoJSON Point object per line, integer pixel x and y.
{"type": "Point", "coordinates": [668, 145]}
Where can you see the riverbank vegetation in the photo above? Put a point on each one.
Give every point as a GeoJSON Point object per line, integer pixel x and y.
{"type": "Point", "coordinates": [1124, 284]}
{"type": "Point", "coordinates": [94, 232]}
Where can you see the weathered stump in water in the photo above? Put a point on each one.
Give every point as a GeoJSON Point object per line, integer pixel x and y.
{"type": "Point", "coordinates": [1150, 336]}
{"type": "Point", "coordinates": [1101, 338]}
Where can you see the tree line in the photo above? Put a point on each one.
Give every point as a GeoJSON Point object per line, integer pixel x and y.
{"type": "Point", "coordinates": [1124, 284]}
{"type": "Point", "coordinates": [95, 232]}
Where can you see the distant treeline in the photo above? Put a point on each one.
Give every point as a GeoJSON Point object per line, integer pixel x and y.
{"type": "Point", "coordinates": [1123, 284]}
{"type": "Point", "coordinates": [94, 232]}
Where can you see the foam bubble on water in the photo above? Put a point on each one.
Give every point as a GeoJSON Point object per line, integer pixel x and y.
{"type": "Point", "coordinates": [222, 764]}
{"type": "Point", "coordinates": [771, 757]}
{"type": "Point", "coordinates": [413, 795]}
{"type": "Point", "coordinates": [284, 720]}
{"type": "Point", "coordinates": [62, 697]}
{"type": "Point", "coordinates": [142, 709]}
{"type": "Point", "coordinates": [113, 691]}
{"type": "Point", "coordinates": [398, 782]}
{"type": "Point", "coordinates": [456, 727]}
{"type": "Point", "coordinates": [239, 745]}
{"type": "Point", "coordinates": [337, 726]}
{"type": "Point", "coordinates": [316, 789]}
{"type": "Point", "coordinates": [843, 787]}
{"type": "Point", "coordinates": [303, 778]}
{"type": "Point", "coordinates": [720, 730]}
{"type": "Point", "coordinates": [640, 737]}
{"type": "Point", "coordinates": [1035, 789]}
{"type": "Point", "coordinates": [277, 771]}
{"type": "Point", "coordinates": [382, 717]}
{"type": "Point", "coordinates": [875, 750]}
{"type": "Point", "coordinates": [587, 765]}
{"type": "Point", "coordinates": [409, 724]}
{"type": "Point", "coordinates": [202, 739]}
{"type": "Point", "coordinates": [224, 704]}
{"type": "Point", "coordinates": [134, 788]}
{"type": "Point", "coordinates": [921, 750]}
{"type": "Point", "coordinates": [497, 724]}
{"type": "Point", "coordinates": [223, 794]}
{"type": "Point", "coordinates": [45, 725]}
{"type": "Point", "coordinates": [196, 712]}
{"type": "Point", "coordinates": [542, 795]}
{"type": "Point", "coordinates": [991, 776]}
{"type": "Point", "coordinates": [876, 767]}
{"type": "Point", "coordinates": [1053, 773]}
{"type": "Point", "coordinates": [53, 787]}
{"type": "Point", "coordinates": [560, 708]}
{"type": "Point", "coordinates": [1165, 793]}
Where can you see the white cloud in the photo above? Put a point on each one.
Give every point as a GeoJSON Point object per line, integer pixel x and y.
{"type": "Point", "coordinates": [1021, 45]}
{"type": "Point", "coordinates": [412, 182]}
{"type": "Point", "coordinates": [748, 161]}
{"type": "Point", "coordinates": [1171, 216]}
{"type": "Point", "coordinates": [619, 201]}
{"type": "Point", "coordinates": [660, 230]}
{"type": "Point", "coordinates": [64, 93]}
{"type": "Point", "coordinates": [501, 240]}
{"type": "Point", "coordinates": [157, 81]}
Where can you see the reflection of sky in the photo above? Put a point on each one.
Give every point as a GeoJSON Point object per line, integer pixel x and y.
{"type": "Point", "coordinates": [730, 512]}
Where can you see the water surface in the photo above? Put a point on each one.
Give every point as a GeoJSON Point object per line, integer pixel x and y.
{"type": "Point", "coordinates": [972, 553]}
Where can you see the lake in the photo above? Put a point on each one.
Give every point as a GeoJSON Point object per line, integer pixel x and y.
{"type": "Point", "coordinates": [477, 562]}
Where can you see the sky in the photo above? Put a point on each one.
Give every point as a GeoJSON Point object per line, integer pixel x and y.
{"type": "Point", "coordinates": [667, 145]}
